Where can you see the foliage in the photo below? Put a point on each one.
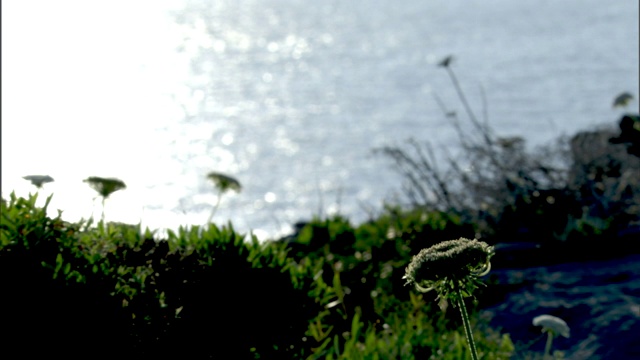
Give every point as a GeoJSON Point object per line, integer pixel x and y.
{"type": "Point", "coordinates": [369, 308]}
{"type": "Point", "coordinates": [579, 188]}
{"type": "Point", "coordinates": [333, 291]}
{"type": "Point", "coordinates": [46, 289]}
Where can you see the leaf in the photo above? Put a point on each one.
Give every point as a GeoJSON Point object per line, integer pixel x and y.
{"type": "Point", "coordinates": [336, 345]}
{"type": "Point", "coordinates": [337, 286]}
{"type": "Point", "coordinates": [59, 262]}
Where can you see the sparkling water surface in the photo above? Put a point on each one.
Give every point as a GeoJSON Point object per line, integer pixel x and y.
{"type": "Point", "coordinates": [289, 97]}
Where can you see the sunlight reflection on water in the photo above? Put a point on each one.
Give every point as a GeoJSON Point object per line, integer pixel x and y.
{"type": "Point", "coordinates": [289, 99]}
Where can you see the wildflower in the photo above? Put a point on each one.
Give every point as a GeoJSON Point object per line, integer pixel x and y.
{"type": "Point", "coordinates": [446, 61]}
{"type": "Point", "coordinates": [449, 264]}
{"type": "Point", "coordinates": [452, 269]}
{"type": "Point", "coordinates": [622, 100]}
{"type": "Point", "coordinates": [105, 186]}
{"type": "Point", "coordinates": [38, 180]}
{"type": "Point", "coordinates": [223, 183]}
{"type": "Point", "coordinates": [553, 324]}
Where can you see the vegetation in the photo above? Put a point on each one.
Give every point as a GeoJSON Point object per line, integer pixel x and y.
{"type": "Point", "coordinates": [335, 291]}
{"type": "Point", "coordinates": [577, 190]}
{"type": "Point", "coordinates": [223, 183]}
{"type": "Point", "coordinates": [105, 187]}
{"type": "Point", "coordinates": [452, 268]}
{"type": "Point", "coordinates": [553, 326]}
{"type": "Point", "coordinates": [332, 291]}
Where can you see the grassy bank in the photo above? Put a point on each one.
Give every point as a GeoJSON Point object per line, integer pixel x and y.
{"type": "Point", "coordinates": [332, 290]}
{"type": "Point", "coordinates": [335, 291]}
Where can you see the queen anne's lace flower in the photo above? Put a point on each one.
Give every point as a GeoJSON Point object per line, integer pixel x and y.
{"type": "Point", "coordinates": [452, 268]}
{"type": "Point", "coordinates": [38, 180]}
{"type": "Point", "coordinates": [450, 265]}
{"type": "Point", "coordinates": [553, 324]}
{"type": "Point", "coordinates": [105, 186]}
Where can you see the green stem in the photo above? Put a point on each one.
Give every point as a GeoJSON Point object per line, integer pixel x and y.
{"type": "Point", "coordinates": [547, 348]}
{"type": "Point", "coordinates": [103, 202]}
{"type": "Point", "coordinates": [467, 324]}
{"type": "Point", "coordinates": [215, 208]}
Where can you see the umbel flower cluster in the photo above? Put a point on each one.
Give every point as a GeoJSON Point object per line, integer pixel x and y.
{"type": "Point", "coordinates": [450, 268]}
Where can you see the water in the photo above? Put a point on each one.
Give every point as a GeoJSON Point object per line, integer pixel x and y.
{"type": "Point", "coordinates": [289, 97]}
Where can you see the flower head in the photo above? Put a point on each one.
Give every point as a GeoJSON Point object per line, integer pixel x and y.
{"type": "Point", "coordinates": [622, 99]}
{"type": "Point", "coordinates": [446, 61]}
{"type": "Point", "coordinates": [105, 186]}
{"type": "Point", "coordinates": [552, 324]}
{"type": "Point", "coordinates": [450, 265]}
{"type": "Point", "coordinates": [38, 180]}
{"type": "Point", "coordinates": [224, 182]}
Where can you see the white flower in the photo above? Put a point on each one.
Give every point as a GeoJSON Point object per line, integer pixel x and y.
{"type": "Point", "coordinates": [553, 324]}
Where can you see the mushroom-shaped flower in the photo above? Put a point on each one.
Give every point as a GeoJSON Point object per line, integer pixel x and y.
{"type": "Point", "coordinates": [622, 100]}
{"type": "Point", "coordinates": [450, 266]}
{"type": "Point", "coordinates": [105, 186]}
{"type": "Point", "coordinates": [224, 182]}
{"type": "Point", "coordinates": [552, 324]}
{"type": "Point", "coordinates": [38, 180]}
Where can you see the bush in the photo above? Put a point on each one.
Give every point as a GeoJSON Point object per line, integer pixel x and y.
{"type": "Point", "coordinates": [575, 190]}
{"type": "Point", "coordinates": [334, 291]}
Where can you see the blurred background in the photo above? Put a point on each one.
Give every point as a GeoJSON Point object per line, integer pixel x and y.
{"type": "Point", "coordinates": [288, 97]}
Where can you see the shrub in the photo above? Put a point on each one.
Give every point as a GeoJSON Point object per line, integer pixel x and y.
{"type": "Point", "coordinates": [579, 188]}
{"type": "Point", "coordinates": [109, 289]}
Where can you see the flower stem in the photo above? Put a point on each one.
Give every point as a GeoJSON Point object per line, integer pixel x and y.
{"type": "Point", "coordinates": [547, 348]}
{"type": "Point", "coordinates": [103, 202]}
{"type": "Point", "coordinates": [215, 208]}
{"type": "Point", "coordinates": [467, 325]}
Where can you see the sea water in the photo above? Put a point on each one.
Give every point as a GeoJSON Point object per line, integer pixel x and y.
{"type": "Point", "coordinates": [289, 97]}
